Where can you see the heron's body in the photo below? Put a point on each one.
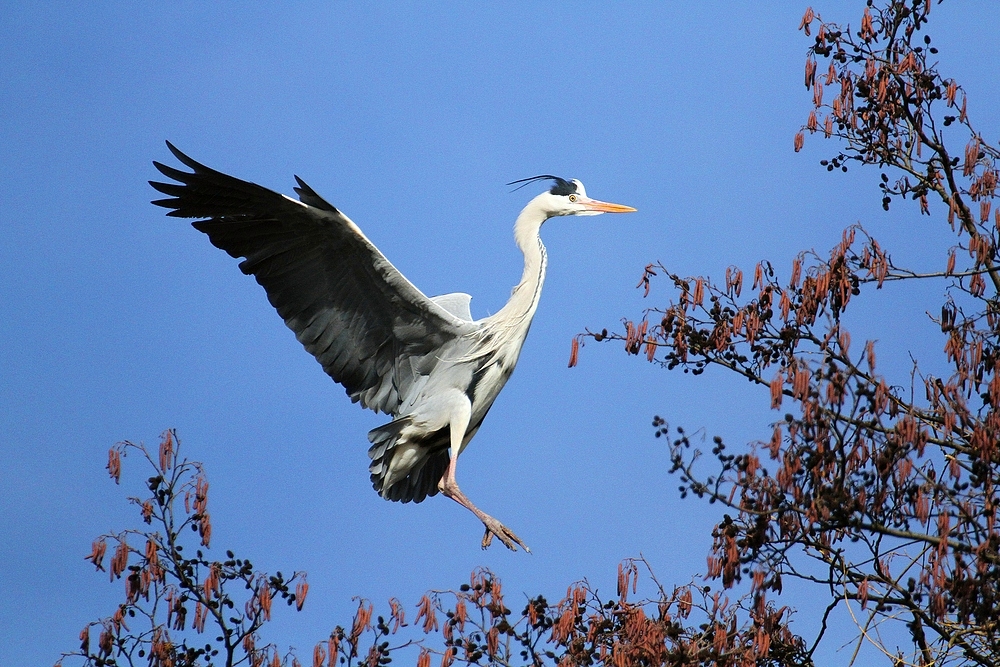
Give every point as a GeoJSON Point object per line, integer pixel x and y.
{"type": "Point", "coordinates": [464, 377]}
{"type": "Point", "coordinates": [422, 360]}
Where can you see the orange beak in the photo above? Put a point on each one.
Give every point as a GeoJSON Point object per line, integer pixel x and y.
{"type": "Point", "coordinates": [605, 207]}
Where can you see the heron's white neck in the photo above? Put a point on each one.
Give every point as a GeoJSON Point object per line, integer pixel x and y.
{"type": "Point", "coordinates": [524, 298]}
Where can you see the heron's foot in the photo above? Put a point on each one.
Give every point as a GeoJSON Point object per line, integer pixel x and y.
{"type": "Point", "coordinates": [506, 535]}
{"type": "Point", "coordinates": [449, 487]}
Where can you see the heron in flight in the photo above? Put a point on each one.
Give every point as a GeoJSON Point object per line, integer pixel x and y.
{"type": "Point", "coordinates": [422, 360]}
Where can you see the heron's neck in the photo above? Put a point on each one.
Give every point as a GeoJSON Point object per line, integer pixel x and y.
{"type": "Point", "coordinates": [524, 299]}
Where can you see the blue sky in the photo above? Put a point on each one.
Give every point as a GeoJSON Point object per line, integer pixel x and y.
{"type": "Point", "coordinates": [118, 322]}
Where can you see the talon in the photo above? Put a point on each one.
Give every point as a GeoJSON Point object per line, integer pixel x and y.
{"type": "Point", "coordinates": [505, 534]}
{"type": "Point", "coordinates": [449, 487]}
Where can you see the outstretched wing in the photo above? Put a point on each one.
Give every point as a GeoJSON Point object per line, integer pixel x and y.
{"type": "Point", "coordinates": [368, 326]}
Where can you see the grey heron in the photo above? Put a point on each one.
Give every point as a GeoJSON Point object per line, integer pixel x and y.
{"type": "Point", "coordinates": [423, 361]}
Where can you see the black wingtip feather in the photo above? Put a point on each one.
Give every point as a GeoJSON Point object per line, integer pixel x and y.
{"type": "Point", "coordinates": [197, 166]}
{"type": "Point", "coordinates": [206, 193]}
{"type": "Point", "coordinates": [165, 203]}
{"type": "Point", "coordinates": [309, 196]}
{"type": "Point", "coordinates": [171, 172]}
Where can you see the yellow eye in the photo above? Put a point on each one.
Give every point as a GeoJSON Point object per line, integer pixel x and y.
{"type": "Point", "coordinates": [573, 198]}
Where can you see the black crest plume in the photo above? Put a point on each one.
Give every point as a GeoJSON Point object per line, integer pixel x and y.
{"type": "Point", "coordinates": [561, 187]}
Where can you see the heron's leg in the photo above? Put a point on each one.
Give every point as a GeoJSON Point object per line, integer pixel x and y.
{"type": "Point", "coordinates": [449, 485]}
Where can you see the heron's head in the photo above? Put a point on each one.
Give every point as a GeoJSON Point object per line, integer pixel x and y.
{"type": "Point", "coordinates": [569, 198]}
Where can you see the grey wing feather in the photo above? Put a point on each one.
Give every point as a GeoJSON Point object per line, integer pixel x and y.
{"type": "Point", "coordinates": [456, 303]}
{"type": "Point", "coordinates": [347, 304]}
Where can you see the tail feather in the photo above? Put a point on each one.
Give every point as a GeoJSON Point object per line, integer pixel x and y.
{"type": "Point", "coordinates": [428, 461]}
